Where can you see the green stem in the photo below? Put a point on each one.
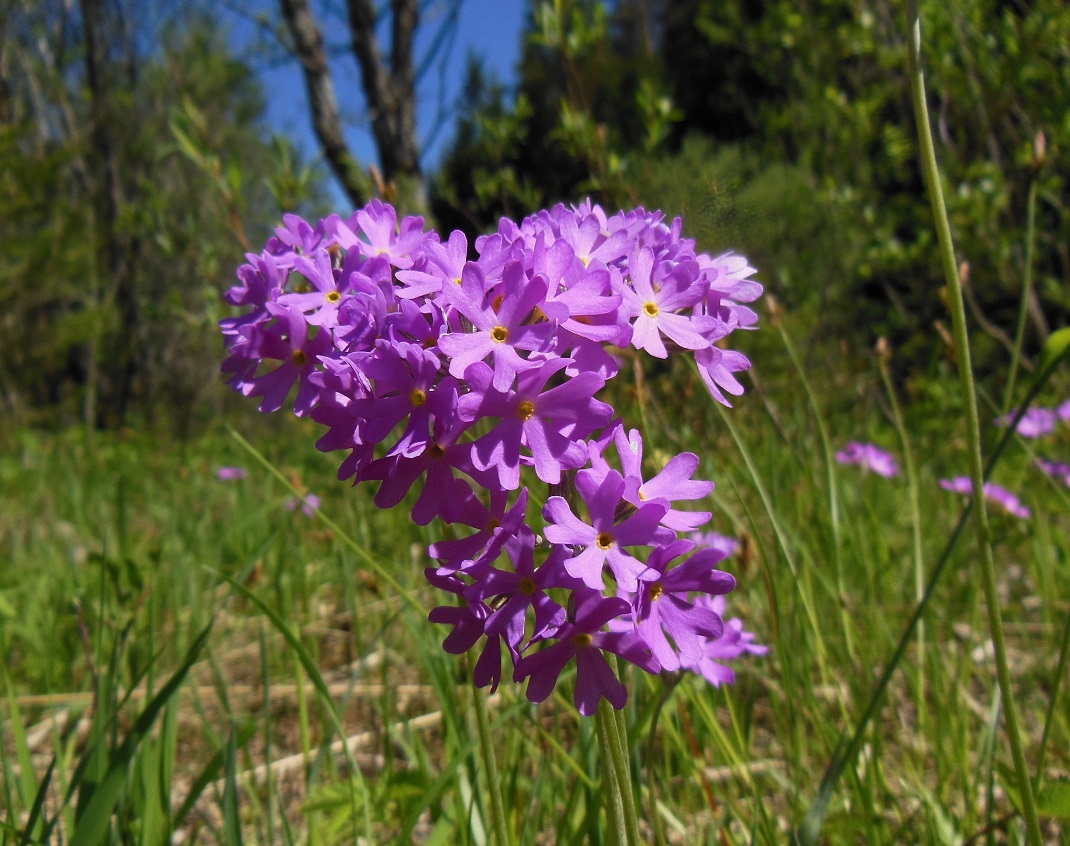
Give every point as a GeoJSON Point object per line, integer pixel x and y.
{"type": "Point", "coordinates": [1027, 288]}
{"type": "Point", "coordinates": [915, 508]}
{"type": "Point", "coordinates": [1060, 674]}
{"type": "Point", "coordinates": [830, 475]}
{"type": "Point", "coordinates": [614, 748]}
{"type": "Point", "coordinates": [610, 787]}
{"type": "Point", "coordinates": [973, 434]}
{"type": "Point", "coordinates": [620, 723]}
{"type": "Point", "coordinates": [669, 681]}
{"type": "Point", "coordinates": [490, 769]}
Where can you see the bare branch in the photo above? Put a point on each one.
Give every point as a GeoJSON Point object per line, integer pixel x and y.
{"type": "Point", "coordinates": [308, 44]}
{"type": "Point", "coordinates": [391, 93]}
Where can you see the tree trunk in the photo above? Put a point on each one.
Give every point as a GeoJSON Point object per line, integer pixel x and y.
{"type": "Point", "coordinates": [308, 45]}
{"type": "Point", "coordinates": [115, 248]}
{"type": "Point", "coordinates": [390, 89]}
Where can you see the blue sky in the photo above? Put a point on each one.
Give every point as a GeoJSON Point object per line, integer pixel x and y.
{"type": "Point", "coordinates": [488, 28]}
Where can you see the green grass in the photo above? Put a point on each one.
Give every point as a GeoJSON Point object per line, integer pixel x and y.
{"type": "Point", "coordinates": [119, 552]}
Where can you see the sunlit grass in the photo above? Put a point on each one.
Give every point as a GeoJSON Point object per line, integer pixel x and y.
{"type": "Point", "coordinates": [117, 550]}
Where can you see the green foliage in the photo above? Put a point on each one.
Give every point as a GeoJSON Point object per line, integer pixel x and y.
{"type": "Point", "coordinates": [479, 172]}
{"type": "Point", "coordinates": [814, 94]}
{"type": "Point", "coordinates": [1054, 799]}
{"type": "Point", "coordinates": [590, 103]}
{"type": "Point", "coordinates": [109, 317]}
{"type": "Point", "coordinates": [140, 533]}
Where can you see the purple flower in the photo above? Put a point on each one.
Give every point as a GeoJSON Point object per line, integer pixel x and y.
{"type": "Point", "coordinates": [1034, 423]}
{"type": "Point", "coordinates": [584, 640]}
{"type": "Point", "coordinates": [230, 474]}
{"type": "Point", "coordinates": [673, 483]}
{"type": "Point", "coordinates": [468, 621]}
{"type": "Point", "coordinates": [716, 367]}
{"type": "Point", "coordinates": [1063, 411]}
{"type": "Point", "coordinates": [378, 222]}
{"type": "Point", "coordinates": [587, 237]}
{"type": "Point", "coordinates": [262, 280]}
{"type": "Point", "coordinates": [601, 542]}
{"type": "Point", "coordinates": [406, 386]}
{"type": "Point", "coordinates": [663, 609]}
{"type": "Point", "coordinates": [441, 265]}
{"type": "Point", "coordinates": [293, 238]}
{"type": "Point", "coordinates": [451, 376]}
{"type": "Point", "coordinates": [654, 304]}
{"type": "Point", "coordinates": [503, 326]}
{"type": "Point", "coordinates": [869, 457]}
{"type": "Point", "coordinates": [999, 495]}
{"type": "Point", "coordinates": [496, 524]}
{"type": "Point", "coordinates": [525, 587]}
{"type": "Point", "coordinates": [309, 503]}
{"type": "Point", "coordinates": [319, 306]}
{"type": "Point", "coordinates": [732, 643]}
{"type": "Point", "coordinates": [550, 424]}
{"type": "Point", "coordinates": [443, 494]}
{"type": "Point", "coordinates": [1058, 469]}
{"type": "Point", "coordinates": [730, 285]}
{"type": "Point", "coordinates": [287, 342]}
{"type": "Point", "coordinates": [713, 540]}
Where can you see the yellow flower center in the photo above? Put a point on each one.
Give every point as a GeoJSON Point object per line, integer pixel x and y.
{"type": "Point", "coordinates": [527, 586]}
{"type": "Point", "coordinates": [605, 540]}
{"type": "Point", "coordinates": [582, 640]}
{"type": "Point", "coordinates": [417, 397]}
{"type": "Point", "coordinates": [525, 410]}
{"type": "Point", "coordinates": [299, 358]}
{"type": "Point", "coordinates": [333, 296]}
{"type": "Point", "coordinates": [656, 590]}
{"type": "Point", "coordinates": [651, 308]}
{"type": "Point", "coordinates": [499, 334]}
{"type": "Point", "coordinates": [436, 451]}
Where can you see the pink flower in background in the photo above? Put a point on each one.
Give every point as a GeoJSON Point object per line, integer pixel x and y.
{"type": "Point", "coordinates": [715, 540]}
{"type": "Point", "coordinates": [1063, 412]}
{"type": "Point", "coordinates": [997, 494]}
{"type": "Point", "coordinates": [1058, 469]}
{"type": "Point", "coordinates": [230, 474]}
{"type": "Point", "coordinates": [310, 504]}
{"type": "Point", "coordinates": [717, 652]}
{"type": "Point", "coordinates": [1034, 423]}
{"type": "Point", "coordinates": [869, 457]}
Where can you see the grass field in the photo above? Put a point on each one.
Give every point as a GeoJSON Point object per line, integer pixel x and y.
{"type": "Point", "coordinates": [319, 706]}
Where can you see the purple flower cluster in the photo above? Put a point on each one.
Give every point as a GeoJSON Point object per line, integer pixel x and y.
{"type": "Point", "coordinates": [869, 457]}
{"type": "Point", "coordinates": [309, 504]}
{"type": "Point", "coordinates": [1036, 422]}
{"type": "Point", "coordinates": [1055, 469]}
{"type": "Point", "coordinates": [997, 494]}
{"type": "Point", "coordinates": [444, 378]}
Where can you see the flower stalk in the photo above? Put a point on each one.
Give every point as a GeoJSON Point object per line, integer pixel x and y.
{"type": "Point", "coordinates": [962, 352]}
{"type": "Point", "coordinates": [620, 799]}
{"type": "Point", "coordinates": [490, 769]}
